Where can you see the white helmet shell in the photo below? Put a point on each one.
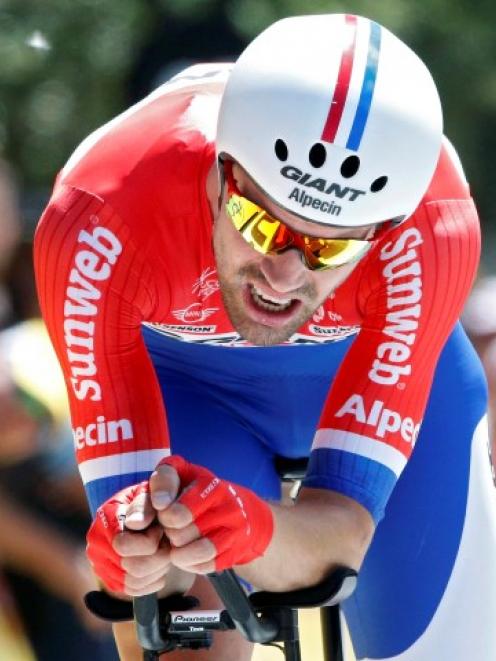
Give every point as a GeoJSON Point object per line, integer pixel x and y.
{"type": "Point", "coordinates": [334, 118]}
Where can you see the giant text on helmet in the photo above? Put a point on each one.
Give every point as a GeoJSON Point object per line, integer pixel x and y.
{"type": "Point", "coordinates": [322, 185]}
{"type": "Point", "coordinates": [402, 273]}
{"type": "Point", "coordinates": [383, 420]}
{"type": "Point", "coordinates": [307, 180]}
{"type": "Point", "coordinates": [92, 264]}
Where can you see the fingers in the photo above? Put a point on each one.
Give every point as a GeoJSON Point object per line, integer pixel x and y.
{"type": "Point", "coordinates": [134, 583]}
{"type": "Point", "coordinates": [164, 486]}
{"type": "Point", "coordinates": [140, 591]}
{"type": "Point", "coordinates": [143, 566]}
{"type": "Point", "coordinates": [140, 513]}
{"type": "Point", "coordinates": [145, 561]}
{"type": "Point", "coordinates": [164, 489]}
{"type": "Point", "coordinates": [182, 536]}
{"type": "Point", "coordinates": [175, 517]}
{"type": "Point", "coordinates": [176, 520]}
{"type": "Point", "coordinates": [194, 555]}
{"type": "Point", "coordinates": [127, 544]}
{"type": "Point", "coordinates": [191, 503]}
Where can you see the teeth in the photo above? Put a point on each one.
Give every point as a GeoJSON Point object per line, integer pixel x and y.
{"type": "Point", "coordinates": [269, 299]}
{"type": "Point", "coordinates": [269, 303]}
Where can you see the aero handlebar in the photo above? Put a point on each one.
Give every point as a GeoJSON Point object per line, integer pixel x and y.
{"type": "Point", "coordinates": [263, 617]}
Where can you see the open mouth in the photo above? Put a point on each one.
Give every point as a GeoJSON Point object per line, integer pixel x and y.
{"type": "Point", "coordinates": [268, 309]}
{"type": "Point", "coordinates": [268, 302]}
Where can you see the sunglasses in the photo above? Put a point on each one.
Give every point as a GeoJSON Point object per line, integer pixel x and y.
{"type": "Point", "coordinates": [270, 236]}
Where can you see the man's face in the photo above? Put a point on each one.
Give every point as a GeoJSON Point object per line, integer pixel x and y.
{"type": "Point", "coordinates": [268, 297]}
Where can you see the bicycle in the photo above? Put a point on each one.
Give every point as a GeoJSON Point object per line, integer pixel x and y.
{"type": "Point", "coordinates": [267, 618]}
{"type": "Point", "coordinates": [264, 617]}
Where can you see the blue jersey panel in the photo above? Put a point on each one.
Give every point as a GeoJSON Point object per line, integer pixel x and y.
{"type": "Point", "coordinates": [411, 558]}
{"type": "Point", "coordinates": [327, 469]}
{"type": "Point", "coordinates": [98, 491]}
{"type": "Point", "coordinates": [275, 393]}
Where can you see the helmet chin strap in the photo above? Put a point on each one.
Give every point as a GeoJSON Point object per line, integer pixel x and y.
{"type": "Point", "coordinates": [221, 178]}
{"type": "Point", "coordinates": [215, 184]}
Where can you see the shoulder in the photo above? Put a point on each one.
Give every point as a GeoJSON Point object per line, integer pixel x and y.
{"type": "Point", "coordinates": [179, 117]}
{"type": "Point", "coordinates": [442, 236]}
{"type": "Point", "coordinates": [449, 181]}
{"type": "Point", "coordinates": [447, 213]}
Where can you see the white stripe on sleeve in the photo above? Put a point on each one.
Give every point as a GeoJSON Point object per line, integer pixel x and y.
{"type": "Point", "coordinates": [370, 448]}
{"type": "Point", "coordinates": [121, 464]}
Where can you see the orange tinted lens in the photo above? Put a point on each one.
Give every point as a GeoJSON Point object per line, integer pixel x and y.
{"type": "Point", "coordinates": [331, 253]}
{"type": "Point", "coordinates": [270, 235]}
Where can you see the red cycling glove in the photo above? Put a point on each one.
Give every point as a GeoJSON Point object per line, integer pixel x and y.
{"type": "Point", "coordinates": [109, 522]}
{"type": "Point", "coordinates": [238, 523]}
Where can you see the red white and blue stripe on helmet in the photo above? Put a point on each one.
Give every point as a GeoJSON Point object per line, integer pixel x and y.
{"type": "Point", "coordinates": [347, 117]}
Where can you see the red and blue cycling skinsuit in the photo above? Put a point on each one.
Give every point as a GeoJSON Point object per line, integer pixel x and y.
{"type": "Point", "coordinates": [127, 283]}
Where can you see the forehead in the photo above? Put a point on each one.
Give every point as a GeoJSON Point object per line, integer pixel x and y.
{"type": "Point", "coordinates": [255, 194]}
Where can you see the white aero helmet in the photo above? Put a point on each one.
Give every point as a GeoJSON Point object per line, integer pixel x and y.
{"type": "Point", "coordinates": [334, 118]}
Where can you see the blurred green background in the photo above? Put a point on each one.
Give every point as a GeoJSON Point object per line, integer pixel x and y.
{"type": "Point", "coordinates": [67, 66]}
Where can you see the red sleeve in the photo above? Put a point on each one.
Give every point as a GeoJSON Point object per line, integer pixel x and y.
{"type": "Point", "coordinates": [95, 287]}
{"type": "Point", "coordinates": [412, 290]}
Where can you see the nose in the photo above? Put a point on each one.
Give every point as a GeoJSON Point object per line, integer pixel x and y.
{"type": "Point", "coordinates": [284, 272]}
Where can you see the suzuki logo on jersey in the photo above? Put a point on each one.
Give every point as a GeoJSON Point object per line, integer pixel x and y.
{"type": "Point", "coordinates": [93, 263]}
{"type": "Point", "coordinates": [383, 420]}
{"type": "Point", "coordinates": [102, 432]}
{"type": "Point", "coordinates": [193, 313]}
{"type": "Point", "coordinates": [338, 332]}
{"type": "Point", "coordinates": [404, 291]}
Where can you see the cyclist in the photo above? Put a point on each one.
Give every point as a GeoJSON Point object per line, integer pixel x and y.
{"type": "Point", "coordinates": [277, 253]}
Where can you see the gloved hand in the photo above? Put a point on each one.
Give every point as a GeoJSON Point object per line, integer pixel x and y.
{"type": "Point", "coordinates": [212, 524]}
{"type": "Point", "coordinates": [128, 554]}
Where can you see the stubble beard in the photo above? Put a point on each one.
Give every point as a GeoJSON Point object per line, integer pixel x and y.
{"type": "Point", "coordinates": [249, 330]}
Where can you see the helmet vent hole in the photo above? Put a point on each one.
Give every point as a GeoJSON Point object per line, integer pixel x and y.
{"type": "Point", "coordinates": [281, 150]}
{"type": "Point", "coordinates": [350, 166]}
{"type": "Point", "coordinates": [378, 184]}
{"type": "Point", "coordinates": [317, 155]}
